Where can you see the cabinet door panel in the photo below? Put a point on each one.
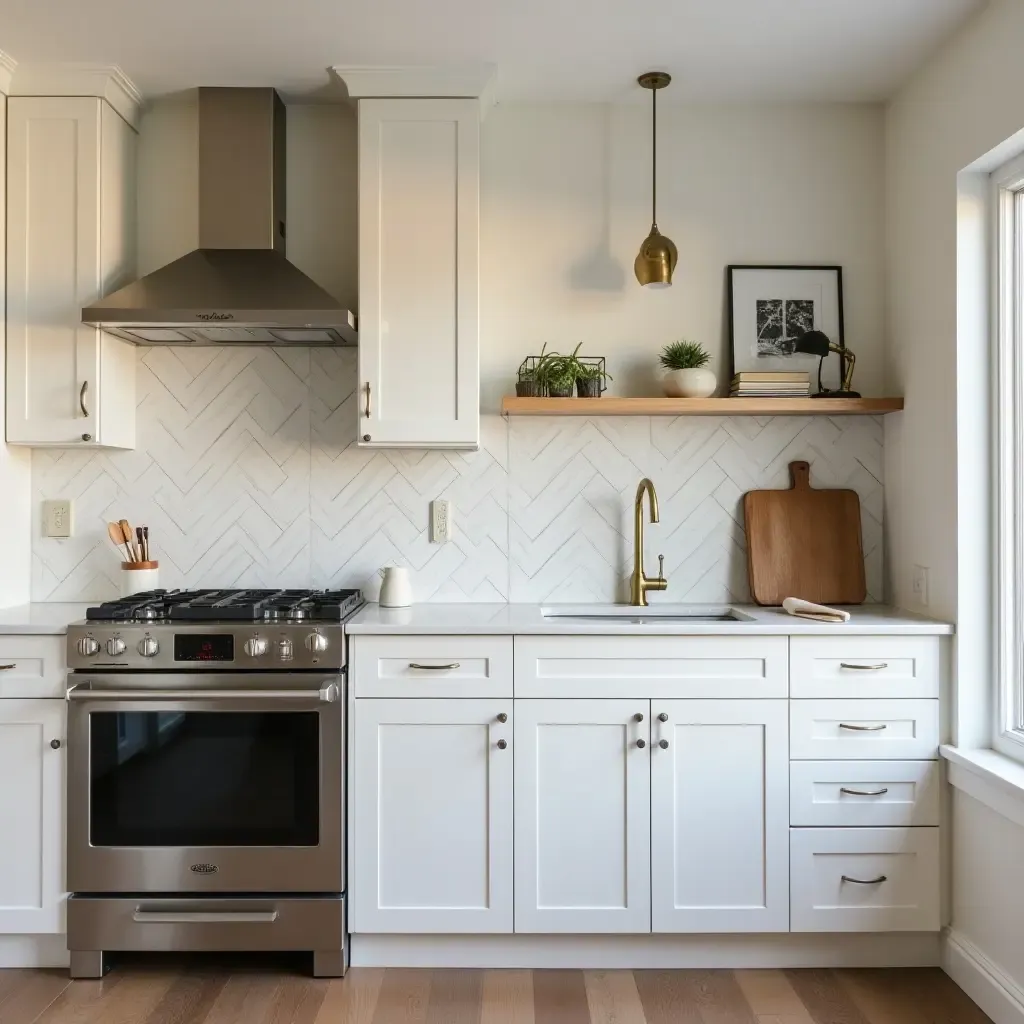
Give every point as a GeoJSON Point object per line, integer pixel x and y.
{"type": "Point", "coordinates": [32, 813]}
{"type": "Point", "coordinates": [431, 816]}
{"type": "Point", "coordinates": [719, 816]}
{"type": "Point", "coordinates": [582, 796]}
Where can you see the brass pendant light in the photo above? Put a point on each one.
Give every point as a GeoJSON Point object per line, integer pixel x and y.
{"type": "Point", "coordinates": [658, 255]}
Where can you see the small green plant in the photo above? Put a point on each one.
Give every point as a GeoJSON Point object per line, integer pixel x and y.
{"type": "Point", "coordinates": [684, 355]}
{"type": "Point", "coordinates": [592, 371]}
{"type": "Point", "coordinates": [559, 373]}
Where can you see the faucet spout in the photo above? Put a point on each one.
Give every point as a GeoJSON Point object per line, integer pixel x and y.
{"type": "Point", "coordinates": [639, 582]}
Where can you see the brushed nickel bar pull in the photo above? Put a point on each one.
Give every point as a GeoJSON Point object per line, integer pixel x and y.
{"type": "Point", "coordinates": [864, 792]}
{"type": "Point", "coordinates": [204, 916]}
{"type": "Point", "coordinates": [862, 728]}
{"type": "Point", "coordinates": [81, 398]}
{"type": "Point", "coordinates": [7, 668]}
{"type": "Point", "coordinates": [450, 667]}
{"type": "Point", "coordinates": [328, 695]}
{"type": "Point", "coordinates": [367, 414]}
{"type": "Point", "coordinates": [865, 668]}
{"type": "Point", "coordinates": [866, 881]}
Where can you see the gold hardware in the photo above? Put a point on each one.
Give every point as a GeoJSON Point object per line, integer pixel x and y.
{"type": "Point", "coordinates": [639, 582]}
{"type": "Point", "coordinates": [862, 728]}
{"type": "Point", "coordinates": [658, 254]}
{"type": "Point", "coordinates": [866, 881]}
{"type": "Point", "coordinates": [503, 718]}
{"type": "Point", "coordinates": [864, 792]}
{"type": "Point", "coordinates": [81, 398]}
{"type": "Point", "coordinates": [641, 744]}
{"type": "Point", "coordinates": [435, 668]}
{"type": "Point", "coordinates": [367, 413]}
{"type": "Point", "coordinates": [502, 744]}
{"type": "Point", "coordinates": [865, 668]}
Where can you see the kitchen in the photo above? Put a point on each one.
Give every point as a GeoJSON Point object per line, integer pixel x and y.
{"type": "Point", "coordinates": [273, 467]}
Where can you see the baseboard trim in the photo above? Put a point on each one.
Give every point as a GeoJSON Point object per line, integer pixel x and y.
{"type": "Point", "coordinates": [638, 951]}
{"type": "Point", "coordinates": [994, 991]}
{"type": "Point", "coordinates": [34, 951]}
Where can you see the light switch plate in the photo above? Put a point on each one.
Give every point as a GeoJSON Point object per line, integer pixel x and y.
{"type": "Point", "coordinates": [57, 518]}
{"type": "Point", "coordinates": [441, 513]}
{"type": "Point", "coordinates": [919, 584]}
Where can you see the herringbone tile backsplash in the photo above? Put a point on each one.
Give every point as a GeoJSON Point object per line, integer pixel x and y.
{"type": "Point", "coordinates": [248, 474]}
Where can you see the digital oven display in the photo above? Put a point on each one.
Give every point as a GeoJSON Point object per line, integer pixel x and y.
{"type": "Point", "coordinates": [204, 647]}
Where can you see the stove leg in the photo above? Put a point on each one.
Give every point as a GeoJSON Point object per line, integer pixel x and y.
{"type": "Point", "coordinates": [88, 963]}
{"type": "Point", "coordinates": [329, 963]}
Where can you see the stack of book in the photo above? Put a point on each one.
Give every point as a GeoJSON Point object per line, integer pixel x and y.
{"type": "Point", "coordinates": [771, 384]}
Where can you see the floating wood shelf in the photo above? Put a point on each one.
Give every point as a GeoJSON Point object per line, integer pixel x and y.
{"type": "Point", "coordinates": [512, 406]}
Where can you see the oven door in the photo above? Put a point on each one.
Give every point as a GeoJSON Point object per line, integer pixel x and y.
{"type": "Point", "coordinates": [181, 783]}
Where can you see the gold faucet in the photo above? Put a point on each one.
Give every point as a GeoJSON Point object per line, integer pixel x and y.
{"type": "Point", "coordinates": [639, 583]}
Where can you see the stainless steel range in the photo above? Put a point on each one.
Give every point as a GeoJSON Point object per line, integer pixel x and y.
{"type": "Point", "coordinates": [206, 775]}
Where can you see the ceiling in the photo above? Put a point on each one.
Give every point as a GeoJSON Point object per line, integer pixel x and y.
{"type": "Point", "coordinates": [543, 49]}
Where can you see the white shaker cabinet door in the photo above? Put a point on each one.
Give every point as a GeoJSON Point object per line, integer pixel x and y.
{"type": "Point", "coordinates": [32, 816]}
{"type": "Point", "coordinates": [719, 816]}
{"type": "Point", "coordinates": [431, 821]}
{"type": "Point", "coordinates": [419, 217]}
{"type": "Point", "coordinates": [582, 816]}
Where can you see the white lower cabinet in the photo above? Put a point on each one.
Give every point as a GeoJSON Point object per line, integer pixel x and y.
{"type": "Point", "coordinates": [32, 816]}
{"type": "Point", "coordinates": [719, 816]}
{"type": "Point", "coordinates": [431, 816]}
{"type": "Point", "coordinates": [582, 816]}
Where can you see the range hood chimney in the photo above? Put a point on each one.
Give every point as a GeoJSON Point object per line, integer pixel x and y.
{"type": "Point", "coordinates": [237, 287]}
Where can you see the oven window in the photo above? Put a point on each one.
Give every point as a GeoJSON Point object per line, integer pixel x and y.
{"type": "Point", "coordinates": [203, 778]}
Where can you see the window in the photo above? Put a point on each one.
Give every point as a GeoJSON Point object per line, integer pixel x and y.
{"type": "Point", "coordinates": [1008, 182]}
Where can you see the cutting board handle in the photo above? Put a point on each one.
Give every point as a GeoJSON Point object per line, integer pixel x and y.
{"type": "Point", "coordinates": [800, 476]}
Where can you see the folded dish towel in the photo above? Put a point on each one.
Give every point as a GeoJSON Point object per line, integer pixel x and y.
{"type": "Point", "coordinates": [821, 612]}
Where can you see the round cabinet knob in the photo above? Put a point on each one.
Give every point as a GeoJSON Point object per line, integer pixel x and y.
{"type": "Point", "coordinates": [55, 744]}
{"type": "Point", "coordinates": [116, 646]}
{"type": "Point", "coordinates": [663, 717]}
{"type": "Point", "coordinates": [638, 717]}
{"type": "Point", "coordinates": [316, 642]}
{"type": "Point", "coordinates": [502, 744]}
{"type": "Point", "coordinates": [148, 647]}
{"type": "Point", "coordinates": [87, 437]}
{"type": "Point", "coordinates": [255, 647]}
{"type": "Point", "coordinates": [641, 744]}
{"type": "Point", "coordinates": [663, 744]}
{"type": "Point", "coordinates": [502, 717]}
{"type": "Point", "coordinates": [88, 646]}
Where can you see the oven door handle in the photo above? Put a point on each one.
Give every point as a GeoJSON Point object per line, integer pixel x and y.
{"type": "Point", "coordinates": [204, 916]}
{"type": "Point", "coordinates": [82, 691]}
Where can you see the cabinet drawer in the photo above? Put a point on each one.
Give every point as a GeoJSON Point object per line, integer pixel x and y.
{"type": "Point", "coordinates": [863, 729]}
{"type": "Point", "coordinates": [655, 667]}
{"type": "Point", "coordinates": [32, 666]}
{"type": "Point", "coordinates": [431, 666]}
{"type": "Point", "coordinates": [864, 793]}
{"type": "Point", "coordinates": [864, 879]}
{"type": "Point", "coordinates": [867, 666]}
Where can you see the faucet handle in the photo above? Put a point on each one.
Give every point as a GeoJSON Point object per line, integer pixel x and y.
{"type": "Point", "coordinates": [661, 567]}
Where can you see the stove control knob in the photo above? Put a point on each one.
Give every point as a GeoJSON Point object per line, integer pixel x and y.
{"type": "Point", "coordinates": [284, 650]}
{"type": "Point", "coordinates": [116, 646]}
{"type": "Point", "coordinates": [255, 647]}
{"type": "Point", "coordinates": [316, 642]}
{"type": "Point", "coordinates": [88, 646]}
{"type": "Point", "coordinates": [148, 647]}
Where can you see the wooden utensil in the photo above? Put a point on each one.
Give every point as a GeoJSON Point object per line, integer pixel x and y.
{"type": "Point", "coordinates": [116, 534]}
{"type": "Point", "coordinates": [805, 543]}
{"type": "Point", "coordinates": [126, 530]}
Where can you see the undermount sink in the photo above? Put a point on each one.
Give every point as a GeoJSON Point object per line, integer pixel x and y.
{"type": "Point", "coordinates": [627, 615]}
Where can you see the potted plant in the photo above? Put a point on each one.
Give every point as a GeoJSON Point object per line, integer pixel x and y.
{"type": "Point", "coordinates": [531, 381]}
{"type": "Point", "coordinates": [590, 379]}
{"type": "Point", "coordinates": [559, 373]}
{"type": "Point", "coordinates": [686, 374]}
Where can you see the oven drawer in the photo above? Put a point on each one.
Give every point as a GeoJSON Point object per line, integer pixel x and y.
{"type": "Point", "coordinates": [864, 793]}
{"type": "Point", "coordinates": [864, 879]}
{"type": "Point", "coordinates": [431, 666]}
{"type": "Point", "coordinates": [865, 666]}
{"type": "Point", "coordinates": [32, 666]}
{"type": "Point", "coordinates": [863, 729]}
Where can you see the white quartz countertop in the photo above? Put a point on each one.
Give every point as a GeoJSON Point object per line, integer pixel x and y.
{"type": "Point", "coordinates": [42, 618]}
{"type": "Point", "coordinates": [426, 619]}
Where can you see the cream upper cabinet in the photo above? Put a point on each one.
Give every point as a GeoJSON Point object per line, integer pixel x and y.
{"type": "Point", "coordinates": [70, 239]}
{"type": "Point", "coordinates": [419, 319]}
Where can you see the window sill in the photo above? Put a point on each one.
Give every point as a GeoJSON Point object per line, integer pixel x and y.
{"type": "Point", "coordinates": [990, 777]}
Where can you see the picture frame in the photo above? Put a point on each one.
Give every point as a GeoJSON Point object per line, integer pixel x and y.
{"type": "Point", "coordinates": [771, 305]}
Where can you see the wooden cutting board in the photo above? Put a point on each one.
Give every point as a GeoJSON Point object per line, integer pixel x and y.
{"type": "Point", "coordinates": [804, 543]}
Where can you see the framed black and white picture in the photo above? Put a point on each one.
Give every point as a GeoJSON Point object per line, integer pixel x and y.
{"type": "Point", "coordinates": [770, 307]}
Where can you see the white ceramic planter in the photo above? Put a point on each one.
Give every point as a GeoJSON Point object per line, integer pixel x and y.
{"type": "Point", "coordinates": [698, 383]}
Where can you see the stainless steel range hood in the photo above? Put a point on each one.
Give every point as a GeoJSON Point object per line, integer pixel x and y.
{"type": "Point", "coordinates": [237, 287]}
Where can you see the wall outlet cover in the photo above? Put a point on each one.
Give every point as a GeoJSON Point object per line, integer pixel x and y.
{"type": "Point", "coordinates": [57, 518]}
{"type": "Point", "coordinates": [441, 513]}
{"type": "Point", "coordinates": [919, 584]}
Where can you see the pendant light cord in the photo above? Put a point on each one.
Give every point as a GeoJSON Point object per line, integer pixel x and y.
{"type": "Point", "coordinates": [654, 158]}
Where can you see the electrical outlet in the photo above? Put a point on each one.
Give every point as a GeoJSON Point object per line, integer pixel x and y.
{"type": "Point", "coordinates": [57, 518]}
{"type": "Point", "coordinates": [441, 513]}
{"type": "Point", "coordinates": [919, 584]}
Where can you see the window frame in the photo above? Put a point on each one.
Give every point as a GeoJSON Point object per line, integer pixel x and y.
{"type": "Point", "coordinates": [1008, 428]}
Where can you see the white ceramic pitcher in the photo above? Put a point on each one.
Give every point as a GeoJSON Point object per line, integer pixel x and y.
{"type": "Point", "coordinates": [396, 588]}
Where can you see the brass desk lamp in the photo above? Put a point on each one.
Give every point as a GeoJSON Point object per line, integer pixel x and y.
{"type": "Point", "coordinates": [817, 344]}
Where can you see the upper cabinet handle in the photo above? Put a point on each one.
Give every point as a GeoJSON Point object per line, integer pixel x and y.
{"type": "Point", "coordinates": [865, 668]}
{"type": "Point", "coordinates": [7, 668]}
{"type": "Point", "coordinates": [864, 792]}
{"type": "Point", "coordinates": [81, 398]}
{"type": "Point", "coordinates": [862, 728]}
{"type": "Point", "coordinates": [367, 414]}
{"type": "Point", "coordinates": [435, 668]}
{"type": "Point", "coordinates": [865, 881]}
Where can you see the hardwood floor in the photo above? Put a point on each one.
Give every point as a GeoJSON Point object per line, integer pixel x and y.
{"type": "Point", "coordinates": [195, 992]}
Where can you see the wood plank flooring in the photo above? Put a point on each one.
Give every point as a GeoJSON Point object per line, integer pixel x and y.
{"type": "Point", "coordinates": [195, 992]}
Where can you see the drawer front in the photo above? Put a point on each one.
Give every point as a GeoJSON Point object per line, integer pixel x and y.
{"type": "Point", "coordinates": [864, 793]}
{"type": "Point", "coordinates": [868, 730]}
{"type": "Point", "coordinates": [868, 666]}
{"type": "Point", "coordinates": [655, 667]}
{"type": "Point", "coordinates": [864, 880]}
{"type": "Point", "coordinates": [32, 666]}
{"type": "Point", "coordinates": [431, 666]}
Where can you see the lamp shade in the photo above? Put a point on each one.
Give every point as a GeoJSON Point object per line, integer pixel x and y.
{"type": "Point", "coordinates": [656, 260]}
{"type": "Point", "coordinates": [814, 343]}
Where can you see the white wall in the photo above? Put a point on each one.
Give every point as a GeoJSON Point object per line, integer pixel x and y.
{"type": "Point", "coordinates": [15, 463]}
